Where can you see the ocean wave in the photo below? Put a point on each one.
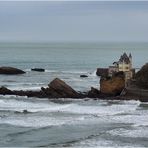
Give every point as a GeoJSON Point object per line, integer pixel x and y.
{"type": "Point", "coordinates": [47, 113]}
{"type": "Point", "coordinates": [28, 120]}
{"type": "Point", "coordinates": [99, 110]}
{"type": "Point", "coordinates": [74, 107]}
{"type": "Point", "coordinates": [135, 133]}
{"type": "Point", "coordinates": [30, 106]}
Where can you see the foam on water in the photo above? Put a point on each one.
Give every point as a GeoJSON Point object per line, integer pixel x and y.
{"type": "Point", "coordinates": [43, 111]}
{"type": "Point", "coordinates": [24, 86]}
{"type": "Point", "coordinates": [93, 74]}
{"type": "Point", "coordinates": [138, 132]}
{"type": "Point", "coordinates": [35, 106]}
{"type": "Point", "coordinates": [101, 110]}
{"type": "Point", "coordinates": [39, 121]}
{"type": "Point", "coordinates": [75, 108]}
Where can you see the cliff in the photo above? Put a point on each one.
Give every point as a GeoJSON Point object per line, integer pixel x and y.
{"type": "Point", "coordinates": [112, 85]}
{"type": "Point", "coordinates": [141, 77]}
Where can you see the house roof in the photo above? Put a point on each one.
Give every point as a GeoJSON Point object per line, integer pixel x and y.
{"type": "Point", "coordinates": [124, 58]}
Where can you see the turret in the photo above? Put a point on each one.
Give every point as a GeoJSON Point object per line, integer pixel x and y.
{"type": "Point", "coordinates": [130, 58]}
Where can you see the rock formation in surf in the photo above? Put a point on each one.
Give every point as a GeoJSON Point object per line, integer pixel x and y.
{"type": "Point", "coordinates": [10, 71]}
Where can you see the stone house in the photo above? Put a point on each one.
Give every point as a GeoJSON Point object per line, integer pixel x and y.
{"type": "Point", "coordinates": [124, 64]}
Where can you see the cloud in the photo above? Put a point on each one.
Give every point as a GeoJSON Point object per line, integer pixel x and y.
{"type": "Point", "coordinates": [74, 21]}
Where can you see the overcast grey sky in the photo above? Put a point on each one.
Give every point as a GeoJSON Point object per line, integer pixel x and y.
{"type": "Point", "coordinates": [73, 21]}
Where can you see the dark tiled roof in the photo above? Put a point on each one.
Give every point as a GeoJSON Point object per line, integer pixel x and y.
{"type": "Point", "coordinates": [124, 58]}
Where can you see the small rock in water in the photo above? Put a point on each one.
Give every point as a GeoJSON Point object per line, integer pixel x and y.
{"type": "Point", "coordinates": [38, 69]}
{"type": "Point", "coordinates": [83, 76]}
{"type": "Point", "coordinates": [25, 111]}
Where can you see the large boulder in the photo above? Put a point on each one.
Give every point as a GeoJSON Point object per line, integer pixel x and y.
{"type": "Point", "coordinates": [142, 77]}
{"type": "Point", "coordinates": [10, 71]}
{"type": "Point", "coordinates": [112, 85]}
{"type": "Point", "coordinates": [59, 89]}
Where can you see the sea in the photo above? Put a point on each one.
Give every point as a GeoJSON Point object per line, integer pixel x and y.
{"type": "Point", "coordinates": [69, 122]}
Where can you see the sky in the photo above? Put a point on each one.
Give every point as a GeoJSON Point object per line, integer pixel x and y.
{"type": "Point", "coordinates": [77, 21]}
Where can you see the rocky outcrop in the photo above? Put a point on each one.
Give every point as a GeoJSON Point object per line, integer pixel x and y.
{"type": "Point", "coordinates": [5, 91]}
{"type": "Point", "coordinates": [59, 89]}
{"type": "Point", "coordinates": [10, 71]}
{"type": "Point", "coordinates": [112, 85]}
{"type": "Point", "coordinates": [102, 72]}
{"type": "Point", "coordinates": [93, 93]}
{"type": "Point", "coordinates": [56, 89]}
{"type": "Point", "coordinates": [142, 77]}
{"type": "Point", "coordinates": [38, 69]}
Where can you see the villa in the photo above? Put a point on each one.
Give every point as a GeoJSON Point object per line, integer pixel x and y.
{"type": "Point", "coordinates": [124, 64]}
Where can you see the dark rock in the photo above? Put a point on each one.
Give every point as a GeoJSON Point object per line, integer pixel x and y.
{"type": "Point", "coordinates": [25, 111]}
{"type": "Point", "coordinates": [38, 69]}
{"type": "Point", "coordinates": [142, 77]}
{"type": "Point", "coordinates": [59, 89]}
{"type": "Point", "coordinates": [93, 93]}
{"type": "Point", "coordinates": [29, 93]}
{"type": "Point", "coordinates": [83, 76]}
{"type": "Point", "coordinates": [5, 91]}
{"type": "Point", "coordinates": [10, 71]}
{"type": "Point", "coordinates": [112, 86]}
{"type": "Point", "coordinates": [102, 72]}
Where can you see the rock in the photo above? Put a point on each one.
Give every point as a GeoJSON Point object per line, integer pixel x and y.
{"type": "Point", "coordinates": [102, 72]}
{"type": "Point", "coordinates": [112, 86]}
{"type": "Point", "coordinates": [59, 89]}
{"type": "Point", "coordinates": [38, 69]}
{"type": "Point", "coordinates": [83, 76]}
{"type": "Point", "coordinates": [25, 111]}
{"type": "Point", "coordinates": [93, 93]}
{"type": "Point", "coordinates": [142, 77]}
{"type": "Point", "coordinates": [10, 71]}
{"type": "Point", "coordinates": [5, 91]}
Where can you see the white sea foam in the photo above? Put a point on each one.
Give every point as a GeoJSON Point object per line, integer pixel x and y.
{"type": "Point", "coordinates": [51, 71]}
{"type": "Point", "coordinates": [135, 119]}
{"type": "Point", "coordinates": [43, 120]}
{"type": "Point", "coordinates": [101, 110]}
{"type": "Point", "coordinates": [93, 73]}
{"type": "Point", "coordinates": [25, 88]}
{"type": "Point", "coordinates": [88, 112]}
{"type": "Point", "coordinates": [33, 121]}
{"type": "Point", "coordinates": [35, 106]}
{"type": "Point", "coordinates": [140, 132]}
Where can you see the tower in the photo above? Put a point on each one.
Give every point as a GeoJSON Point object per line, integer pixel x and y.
{"type": "Point", "coordinates": [130, 59]}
